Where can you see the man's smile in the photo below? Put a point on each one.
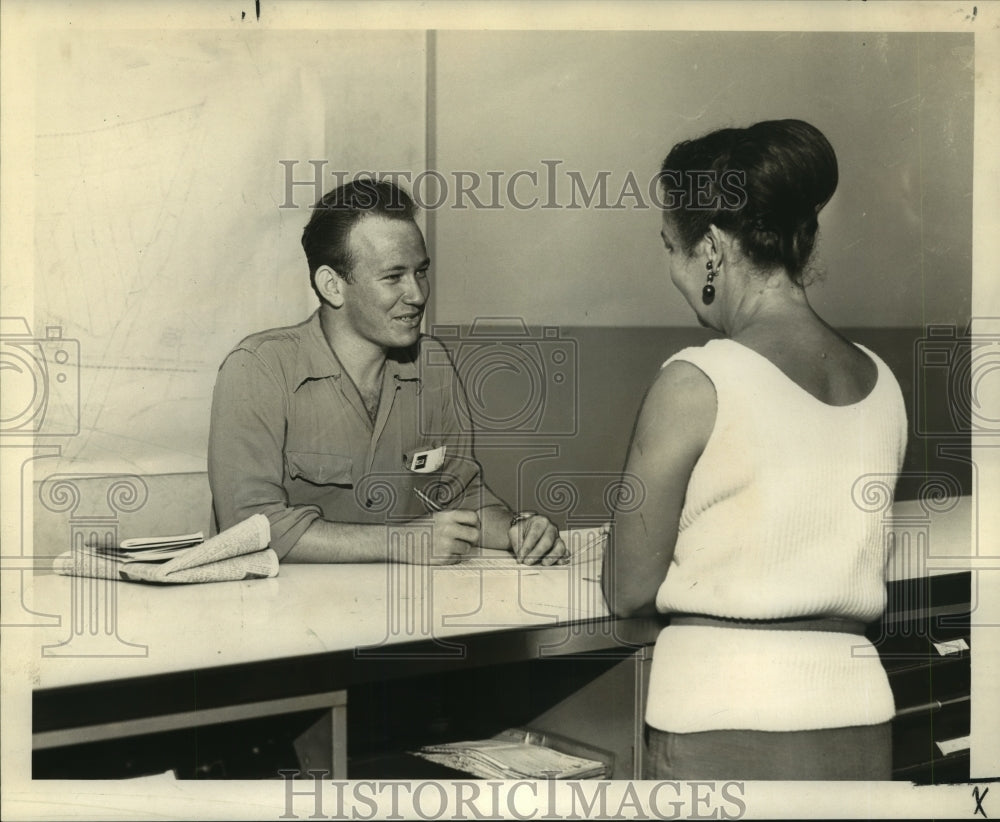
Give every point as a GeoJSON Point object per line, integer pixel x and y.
{"type": "Point", "coordinates": [412, 319]}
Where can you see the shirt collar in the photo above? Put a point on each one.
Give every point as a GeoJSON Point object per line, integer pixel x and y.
{"type": "Point", "coordinates": [401, 363]}
{"type": "Point", "coordinates": [316, 360]}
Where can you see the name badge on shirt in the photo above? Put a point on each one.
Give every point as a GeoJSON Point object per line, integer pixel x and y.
{"type": "Point", "coordinates": [424, 462]}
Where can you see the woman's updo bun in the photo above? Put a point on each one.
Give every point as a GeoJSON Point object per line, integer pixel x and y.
{"type": "Point", "coordinates": [764, 184]}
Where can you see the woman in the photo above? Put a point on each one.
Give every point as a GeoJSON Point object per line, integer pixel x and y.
{"type": "Point", "coordinates": [748, 450]}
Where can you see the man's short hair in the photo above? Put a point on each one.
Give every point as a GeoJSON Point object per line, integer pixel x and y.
{"type": "Point", "coordinates": [325, 237]}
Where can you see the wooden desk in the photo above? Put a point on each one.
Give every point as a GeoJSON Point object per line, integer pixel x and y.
{"type": "Point", "coordinates": [133, 659]}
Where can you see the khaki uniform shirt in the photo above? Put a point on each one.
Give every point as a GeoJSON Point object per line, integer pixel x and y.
{"type": "Point", "coordinates": [290, 437]}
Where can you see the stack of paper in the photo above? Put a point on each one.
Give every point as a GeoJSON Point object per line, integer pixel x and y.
{"type": "Point", "coordinates": [239, 552]}
{"type": "Point", "coordinates": [151, 549]}
{"type": "Point", "coordinates": [503, 759]}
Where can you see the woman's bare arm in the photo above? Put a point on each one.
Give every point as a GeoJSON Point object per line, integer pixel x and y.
{"type": "Point", "coordinates": [673, 426]}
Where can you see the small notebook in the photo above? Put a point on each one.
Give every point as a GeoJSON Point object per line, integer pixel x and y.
{"type": "Point", "coordinates": [586, 545]}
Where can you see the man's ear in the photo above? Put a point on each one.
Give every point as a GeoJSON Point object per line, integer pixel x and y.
{"type": "Point", "coordinates": [330, 285]}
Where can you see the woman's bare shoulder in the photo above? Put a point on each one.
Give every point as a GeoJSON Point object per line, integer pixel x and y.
{"type": "Point", "coordinates": [679, 408]}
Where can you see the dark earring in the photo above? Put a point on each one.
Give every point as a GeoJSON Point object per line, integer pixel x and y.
{"type": "Point", "coordinates": [708, 292]}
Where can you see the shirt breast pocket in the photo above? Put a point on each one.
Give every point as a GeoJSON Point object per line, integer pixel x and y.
{"type": "Point", "coordinates": [320, 469]}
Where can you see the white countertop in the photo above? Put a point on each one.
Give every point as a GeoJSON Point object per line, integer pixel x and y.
{"type": "Point", "coordinates": [117, 630]}
{"type": "Point", "coordinates": [306, 609]}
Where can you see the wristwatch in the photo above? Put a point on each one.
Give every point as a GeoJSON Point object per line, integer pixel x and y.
{"type": "Point", "coordinates": [520, 516]}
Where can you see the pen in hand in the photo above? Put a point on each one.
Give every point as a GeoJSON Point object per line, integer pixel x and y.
{"type": "Point", "coordinates": [434, 506]}
{"type": "Point", "coordinates": [457, 530]}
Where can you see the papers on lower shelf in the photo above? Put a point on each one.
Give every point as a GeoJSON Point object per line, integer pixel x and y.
{"type": "Point", "coordinates": [952, 646]}
{"type": "Point", "coordinates": [950, 746]}
{"type": "Point", "coordinates": [239, 552]}
{"type": "Point", "coordinates": [508, 759]}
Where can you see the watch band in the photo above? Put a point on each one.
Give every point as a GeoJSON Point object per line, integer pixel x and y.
{"type": "Point", "coordinates": [520, 516]}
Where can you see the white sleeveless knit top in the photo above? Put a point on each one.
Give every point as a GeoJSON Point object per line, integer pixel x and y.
{"type": "Point", "coordinates": [773, 527]}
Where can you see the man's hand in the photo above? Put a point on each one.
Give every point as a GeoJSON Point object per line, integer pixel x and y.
{"type": "Point", "coordinates": [535, 540]}
{"type": "Point", "coordinates": [452, 534]}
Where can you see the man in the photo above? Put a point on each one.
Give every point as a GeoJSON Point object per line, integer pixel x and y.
{"type": "Point", "coordinates": [349, 422]}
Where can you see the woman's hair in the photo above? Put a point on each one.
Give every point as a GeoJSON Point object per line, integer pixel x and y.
{"type": "Point", "coordinates": [764, 184]}
{"type": "Point", "coordinates": [325, 237]}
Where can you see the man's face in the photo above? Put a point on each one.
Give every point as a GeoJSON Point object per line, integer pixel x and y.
{"type": "Point", "coordinates": [384, 303]}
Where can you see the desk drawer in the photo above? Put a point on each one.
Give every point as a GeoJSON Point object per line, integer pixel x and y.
{"type": "Point", "coordinates": [917, 754]}
{"type": "Point", "coordinates": [924, 643]}
{"type": "Point", "coordinates": [929, 683]}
